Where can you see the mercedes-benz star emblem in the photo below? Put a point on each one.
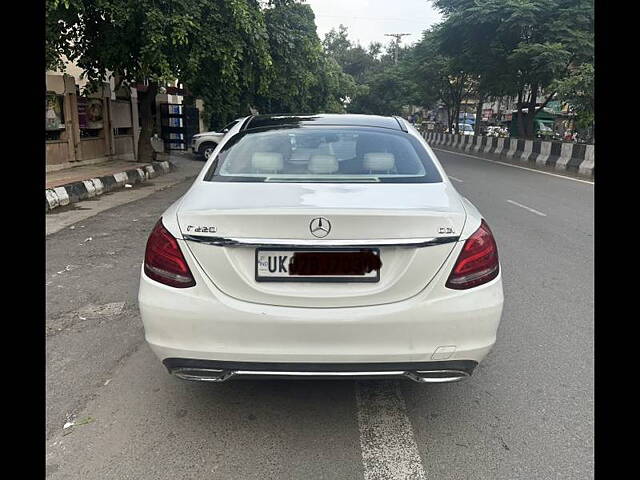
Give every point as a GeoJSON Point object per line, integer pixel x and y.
{"type": "Point", "coordinates": [320, 227]}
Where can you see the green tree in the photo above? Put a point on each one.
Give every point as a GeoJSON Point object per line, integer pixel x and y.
{"type": "Point", "coordinates": [439, 76]}
{"type": "Point", "coordinates": [519, 47]}
{"type": "Point", "coordinates": [305, 79]}
{"type": "Point", "coordinates": [212, 46]}
{"type": "Point", "coordinates": [380, 86]}
{"type": "Point", "coordinates": [577, 90]}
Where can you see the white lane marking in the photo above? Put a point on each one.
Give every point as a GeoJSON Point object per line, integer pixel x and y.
{"type": "Point", "coordinates": [527, 208]}
{"type": "Point", "coordinates": [514, 166]}
{"type": "Point", "coordinates": [389, 450]}
{"type": "Point", "coordinates": [456, 179]}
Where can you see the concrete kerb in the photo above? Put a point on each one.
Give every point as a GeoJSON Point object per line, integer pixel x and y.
{"type": "Point", "coordinates": [569, 157]}
{"type": "Point", "coordinates": [90, 188]}
{"type": "Point", "coordinates": [587, 167]}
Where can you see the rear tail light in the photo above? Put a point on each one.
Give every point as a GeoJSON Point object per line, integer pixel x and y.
{"type": "Point", "coordinates": [477, 262]}
{"type": "Point", "coordinates": [163, 259]}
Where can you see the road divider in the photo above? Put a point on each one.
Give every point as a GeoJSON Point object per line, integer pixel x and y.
{"type": "Point", "coordinates": [92, 187]}
{"type": "Point", "coordinates": [576, 158]}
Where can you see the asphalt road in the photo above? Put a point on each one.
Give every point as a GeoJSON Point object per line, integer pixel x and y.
{"type": "Point", "coordinates": [526, 413]}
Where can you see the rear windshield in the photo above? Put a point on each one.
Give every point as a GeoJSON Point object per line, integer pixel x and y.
{"type": "Point", "coordinates": [324, 154]}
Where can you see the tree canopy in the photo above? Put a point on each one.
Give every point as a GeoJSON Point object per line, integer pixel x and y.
{"type": "Point", "coordinates": [232, 53]}
{"type": "Point", "coordinates": [521, 48]}
{"type": "Point", "coordinates": [237, 54]}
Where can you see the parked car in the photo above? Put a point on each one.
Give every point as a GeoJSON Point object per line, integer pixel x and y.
{"type": "Point", "coordinates": [203, 144]}
{"type": "Point", "coordinates": [321, 246]}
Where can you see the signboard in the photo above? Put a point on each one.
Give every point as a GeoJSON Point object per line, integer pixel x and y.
{"type": "Point", "coordinates": [53, 117]}
{"type": "Point", "coordinates": [94, 113]}
{"type": "Point", "coordinates": [90, 113]}
{"type": "Point", "coordinates": [82, 113]}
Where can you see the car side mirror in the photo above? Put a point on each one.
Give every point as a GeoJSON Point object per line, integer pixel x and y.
{"type": "Point", "coordinates": [225, 130]}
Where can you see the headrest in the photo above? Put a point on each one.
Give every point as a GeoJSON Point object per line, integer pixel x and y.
{"type": "Point", "coordinates": [371, 142]}
{"type": "Point", "coordinates": [378, 162]}
{"type": "Point", "coordinates": [323, 164]}
{"type": "Point", "coordinates": [267, 161]}
{"type": "Point", "coordinates": [299, 156]}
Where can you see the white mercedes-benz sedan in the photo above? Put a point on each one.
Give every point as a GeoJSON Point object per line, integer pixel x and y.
{"type": "Point", "coordinates": [321, 246]}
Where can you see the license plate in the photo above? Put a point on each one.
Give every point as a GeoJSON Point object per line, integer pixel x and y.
{"type": "Point", "coordinates": [313, 265]}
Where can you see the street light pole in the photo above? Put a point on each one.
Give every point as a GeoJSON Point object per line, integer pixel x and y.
{"type": "Point", "coordinates": [397, 36]}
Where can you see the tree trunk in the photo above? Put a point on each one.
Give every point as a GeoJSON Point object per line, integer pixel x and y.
{"type": "Point", "coordinates": [476, 126]}
{"type": "Point", "coordinates": [456, 117]}
{"type": "Point", "coordinates": [145, 150]}
{"type": "Point", "coordinates": [449, 113]}
{"type": "Point", "coordinates": [529, 128]}
{"type": "Point", "coordinates": [520, 114]}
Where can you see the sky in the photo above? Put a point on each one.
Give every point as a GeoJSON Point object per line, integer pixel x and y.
{"type": "Point", "coordinates": [368, 20]}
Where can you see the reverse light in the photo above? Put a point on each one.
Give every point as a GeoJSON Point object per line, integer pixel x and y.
{"type": "Point", "coordinates": [163, 259]}
{"type": "Point", "coordinates": [477, 262]}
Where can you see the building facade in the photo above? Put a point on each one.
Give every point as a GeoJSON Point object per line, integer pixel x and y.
{"type": "Point", "coordinates": [86, 128]}
{"type": "Point", "coordinates": [92, 128]}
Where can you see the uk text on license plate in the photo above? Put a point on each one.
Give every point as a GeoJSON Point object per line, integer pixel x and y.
{"type": "Point", "coordinates": [309, 265]}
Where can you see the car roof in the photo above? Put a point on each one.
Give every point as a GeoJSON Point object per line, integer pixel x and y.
{"type": "Point", "coordinates": [337, 119]}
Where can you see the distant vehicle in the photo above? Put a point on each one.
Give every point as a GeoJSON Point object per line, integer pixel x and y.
{"type": "Point", "coordinates": [465, 129]}
{"type": "Point", "coordinates": [203, 144]}
{"type": "Point", "coordinates": [544, 131]}
{"type": "Point", "coordinates": [496, 131]}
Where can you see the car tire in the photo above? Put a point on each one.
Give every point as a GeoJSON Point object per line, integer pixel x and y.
{"type": "Point", "coordinates": [206, 149]}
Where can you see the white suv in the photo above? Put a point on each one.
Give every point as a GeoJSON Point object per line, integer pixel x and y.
{"type": "Point", "coordinates": [203, 144]}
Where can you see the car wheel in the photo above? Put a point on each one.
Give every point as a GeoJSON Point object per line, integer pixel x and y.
{"type": "Point", "coordinates": [207, 149]}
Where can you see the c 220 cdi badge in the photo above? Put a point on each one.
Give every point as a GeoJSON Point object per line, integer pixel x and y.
{"type": "Point", "coordinates": [321, 246]}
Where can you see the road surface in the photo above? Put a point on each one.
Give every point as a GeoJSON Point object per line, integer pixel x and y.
{"type": "Point", "coordinates": [526, 413]}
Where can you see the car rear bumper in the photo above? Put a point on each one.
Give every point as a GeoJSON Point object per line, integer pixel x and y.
{"type": "Point", "coordinates": [202, 323]}
{"type": "Point", "coordinates": [421, 372]}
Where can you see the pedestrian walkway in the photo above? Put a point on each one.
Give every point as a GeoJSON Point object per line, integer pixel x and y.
{"type": "Point", "coordinates": [77, 174]}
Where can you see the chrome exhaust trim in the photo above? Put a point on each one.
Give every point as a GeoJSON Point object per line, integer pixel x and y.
{"type": "Point", "coordinates": [201, 374]}
{"type": "Point", "coordinates": [437, 376]}
{"type": "Point", "coordinates": [219, 375]}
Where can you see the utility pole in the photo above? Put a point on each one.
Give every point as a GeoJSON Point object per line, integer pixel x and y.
{"type": "Point", "coordinates": [397, 36]}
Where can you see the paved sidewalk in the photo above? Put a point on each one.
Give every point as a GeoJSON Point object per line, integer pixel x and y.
{"type": "Point", "coordinates": [66, 187]}
{"type": "Point", "coordinates": [77, 174]}
{"type": "Point", "coordinates": [187, 167]}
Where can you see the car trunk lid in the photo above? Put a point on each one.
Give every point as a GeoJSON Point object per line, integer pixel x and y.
{"type": "Point", "coordinates": [240, 217]}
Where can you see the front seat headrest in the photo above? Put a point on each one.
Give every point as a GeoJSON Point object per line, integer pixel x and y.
{"type": "Point", "coordinates": [271, 162]}
{"type": "Point", "coordinates": [320, 163]}
{"type": "Point", "coordinates": [378, 162]}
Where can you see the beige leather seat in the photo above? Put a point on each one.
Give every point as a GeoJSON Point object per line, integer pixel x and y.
{"type": "Point", "coordinates": [323, 164]}
{"type": "Point", "coordinates": [267, 162]}
{"type": "Point", "coordinates": [378, 162]}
